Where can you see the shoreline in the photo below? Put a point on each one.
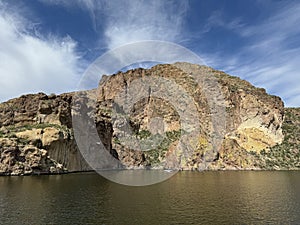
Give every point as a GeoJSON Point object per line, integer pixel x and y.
{"type": "Point", "coordinates": [199, 171]}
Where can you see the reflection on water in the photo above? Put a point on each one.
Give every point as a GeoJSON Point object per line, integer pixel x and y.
{"type": "Point", "coordinates": [229, 197]}
{"type": "Point", "coordinates": [137, 177]}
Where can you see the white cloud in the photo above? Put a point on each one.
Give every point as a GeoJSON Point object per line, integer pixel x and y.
{"type": "Point", "coordinates": [30, 64]}
{"type": "Point", "coordinates": [271, 58]}
{"type": "Point", "coordinates": [135, 20]}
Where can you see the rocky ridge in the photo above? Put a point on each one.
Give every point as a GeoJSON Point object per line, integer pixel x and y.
{"type": "Point", "coordinates": [36, 134]}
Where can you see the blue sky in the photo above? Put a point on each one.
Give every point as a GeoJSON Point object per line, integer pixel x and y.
{"type": "Point", "coordinates": [46, 45]}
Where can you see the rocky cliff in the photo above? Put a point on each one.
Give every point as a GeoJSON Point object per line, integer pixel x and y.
{"type": "Point", "coordinates": [36, 134]}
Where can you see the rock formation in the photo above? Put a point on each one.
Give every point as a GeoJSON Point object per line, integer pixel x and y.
{"type": "Point", "coordinates": [36, 136]}
{"type": "Point", "coordinates": [36, 130]}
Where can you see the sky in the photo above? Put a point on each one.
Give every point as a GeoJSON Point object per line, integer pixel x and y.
{"type": "Point", "coordinates": [46, 45]}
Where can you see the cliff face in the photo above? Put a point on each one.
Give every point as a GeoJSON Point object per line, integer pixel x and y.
{"type": "Point", "coordinates": [36, 133]}
{"type": "Point", "coordinates": [36, 136]}
{"type": "Point", "coordinates": [253, 120]}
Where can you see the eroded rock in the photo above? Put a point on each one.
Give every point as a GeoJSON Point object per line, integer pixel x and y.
{"type": "Point", "coordinates": [36, 134]}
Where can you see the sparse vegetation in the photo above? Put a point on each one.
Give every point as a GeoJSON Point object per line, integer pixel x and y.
{"type": "Point", "coordinates": [116, 140]}
{"type": "Point", "coordinates": [285, 155]}
{"type": "Point", "coordinates": [155, 156]}
{"type": "Point", "coordinates": [143, 134]}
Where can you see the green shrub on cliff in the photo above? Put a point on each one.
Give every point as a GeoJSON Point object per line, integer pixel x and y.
{"type": "Point", "coordinates": [285, 155]}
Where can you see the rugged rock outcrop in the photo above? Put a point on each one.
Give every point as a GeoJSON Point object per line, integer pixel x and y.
{"type": "Point", "coordinates": [36, 136]}
{"type": "Point", "coordinates": [253, 118]}
{"type": "Point", "coordinates": [157, 110]}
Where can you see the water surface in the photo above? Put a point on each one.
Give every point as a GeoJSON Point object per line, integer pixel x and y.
{"type": "Point", "coordinates": [231, 197]}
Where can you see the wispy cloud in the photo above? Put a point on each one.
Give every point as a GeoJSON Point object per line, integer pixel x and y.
{"type": "Point", "coordinates": [31, 64]}
{"type": "Point", "coordinates": [271, 57]}
{"type": "Point", "coordinates": [216, 19]}
{"type": "Point", "coordinates": [124, 22]}
{"type": "Point", "coordinates": [144, 20]}
{"type": "Point", "coordinates": [90, 6]}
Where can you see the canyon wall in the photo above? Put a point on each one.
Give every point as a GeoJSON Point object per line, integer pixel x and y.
{"type": "Point", "coordinates": [254, 130]}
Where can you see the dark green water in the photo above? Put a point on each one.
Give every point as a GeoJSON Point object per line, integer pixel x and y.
{"type": "Point", "coordinates": [187, 198]}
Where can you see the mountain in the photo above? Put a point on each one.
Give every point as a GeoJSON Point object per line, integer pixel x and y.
{"type": "Point", "coordinates": [183, 116]}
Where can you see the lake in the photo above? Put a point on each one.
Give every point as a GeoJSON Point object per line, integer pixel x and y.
{"type": "Point", "coordinates": [216, 197]}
